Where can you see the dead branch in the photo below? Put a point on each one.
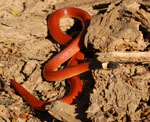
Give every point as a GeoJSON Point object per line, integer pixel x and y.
{"type": "Point", "coordinates": [134, 56]}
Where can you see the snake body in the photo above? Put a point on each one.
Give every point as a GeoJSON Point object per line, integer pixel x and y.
{"type": "Point", "coordinates": [72, 50]}
{"type": "Point", "coordinates": [74, 67]}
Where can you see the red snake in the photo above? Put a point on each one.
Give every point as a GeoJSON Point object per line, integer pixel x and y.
{"type": "Point", "coordinates": [72, 50]}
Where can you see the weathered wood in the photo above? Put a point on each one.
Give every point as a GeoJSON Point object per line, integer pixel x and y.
{"type": "Point", "coordinates": [75, 3]}
{"type": "Point", "coordinates": [62, 112]}
{"type": "Point", "coordinates": [125, 57]}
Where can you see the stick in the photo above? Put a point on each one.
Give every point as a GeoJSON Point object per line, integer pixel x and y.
{"type": "Point", "coordinates": [123, 57]}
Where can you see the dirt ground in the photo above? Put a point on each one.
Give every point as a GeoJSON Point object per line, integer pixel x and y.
{"type": "Point", "coordinates": [115, 95]}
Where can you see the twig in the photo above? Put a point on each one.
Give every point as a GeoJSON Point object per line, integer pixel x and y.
{"type": "Point", "coordinates": [133, 56]}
